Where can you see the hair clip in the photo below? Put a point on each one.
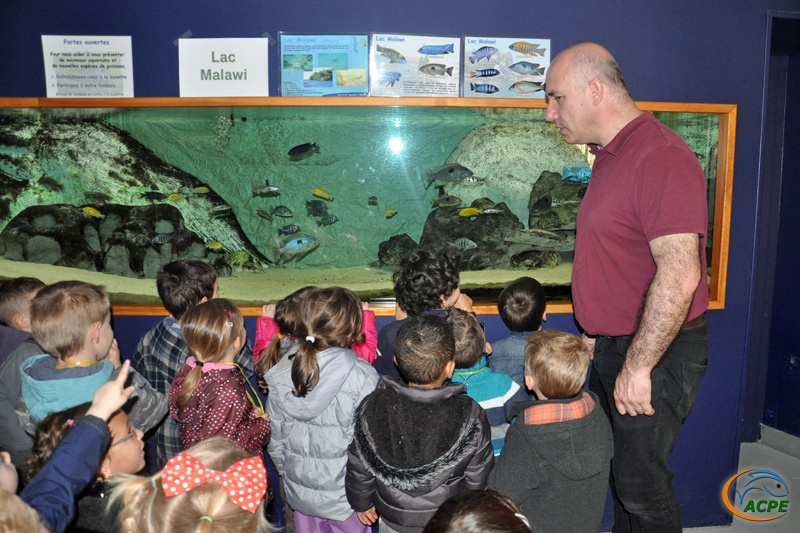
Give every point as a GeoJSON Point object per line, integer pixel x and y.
{"type": "Point", "coordinates": [206, 518]}
{"type": "Point", "coordinates": [70, 422]}
{"type": "Point", "coordinates": [523, 518]}
{"type": "Point", "coordinates": [198, 363]}
{"type": "Point", "coordinates": [245, 481]}
{"type": "Point", "coordinates": [311, 338]}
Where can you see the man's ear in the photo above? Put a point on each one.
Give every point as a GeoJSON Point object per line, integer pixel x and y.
{"type": "Point", "coordinates": [597, 89]}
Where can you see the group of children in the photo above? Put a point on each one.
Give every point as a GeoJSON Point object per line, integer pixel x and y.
{"type": "Point", "coordinates": [402, 431]}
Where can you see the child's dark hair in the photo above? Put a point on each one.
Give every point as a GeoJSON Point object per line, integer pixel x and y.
{"type": "Point", "coordinates": [522, 304]}
{"type": "Point", "coordinates": [478, 511]}
{"type": "Point", "coordinates": [332, 318]}
{"type": "Point", "coordinates": [422, 348]}
{"type": "Point", "coordinates": [469, 337]}
{"type": "Point", "coordinates": [182, 284]}
{"type": "Point", "coordinates": [49, 433]}
{"type": "Point", "coordinates": [289, 313]}
{"type": "Point", "coordinates": [209, 330]}
{"type": "Point", "coordinates": [15, 297]}
{"type": "Point", "coordinates": [424, 276]}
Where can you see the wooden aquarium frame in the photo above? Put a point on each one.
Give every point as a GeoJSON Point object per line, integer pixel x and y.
{"type": "Point", "coordinates": [725, 155]}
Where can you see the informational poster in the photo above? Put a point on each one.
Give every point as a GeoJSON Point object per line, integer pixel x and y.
{"type": "Point", "coordinates": [324, 65]}
{"type": "Point", "coordinates": [414, 65]}
{"type": "Point", "coordinates": [223, 67]}
{"type": "Point", "coordinates": [88, 67]}
{"type": "Point", "coordinates": [505, 67]}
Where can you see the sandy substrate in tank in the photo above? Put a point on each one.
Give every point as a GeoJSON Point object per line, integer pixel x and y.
{"type": "Point", "coordinates": [247, 288]}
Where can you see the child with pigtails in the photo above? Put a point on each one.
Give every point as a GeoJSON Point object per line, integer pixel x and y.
{"type": "Point", "coordinates": [210, 395]}
{"type": "Point", "coordinates": [313, 395]}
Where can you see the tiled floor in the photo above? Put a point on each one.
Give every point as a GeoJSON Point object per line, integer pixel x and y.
{"type": "Point", "coordinates": [763, 456]}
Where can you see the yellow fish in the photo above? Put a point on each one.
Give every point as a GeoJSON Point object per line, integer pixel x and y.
{"type": "Point", "coordinates": [319, 193]}
{"type": "Point", "coordinates": [92, 212]}
{"type": "Point", "coordinates": [363, 43]}
{"type": "Point", "coordinates": [390, 213]}
{"type": "Point", "coordinates": [174, 197]}
{"type": "Point", "coordinates": [470, 211]}
{"type": "Point", "coordinates": [214, 245]}
{"type": "Point", "coordinates": [200, 190]}
{"type": "Point", "coordinates": [529, 49]}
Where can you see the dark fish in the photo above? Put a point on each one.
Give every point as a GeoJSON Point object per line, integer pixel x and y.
{"type": "Point", "coordinates": [221, 207]}
{"type": "Point", "coordinates": [393, 55]}
{"type": "Point", "coordinates": [582, 192]}
{"type": "Point", "coordinates": [436, 69]}
{"type": "Point", "coordinates": [484, 73]}
{"type": "Point", "coordinates": [282, 211]}
{"type": "Point", "coordinates": [484, 52]}
{"type": "Point", "coordinates": [328, 220]}
{"type": "Point", "coordinates": [266, 189]}
{"type": "Point", "coordinates": [297, 246]}
{"type": "Point", "coordinates": [485, 88]}
{"type": "Point", "coordinates": [153, 195]}
{"type": "Point", "coordinates": [264, 214]}
{"type": "Point", "coordinates": [316, 208]}
{"type": "Point", "coordinates": [373, 200]}
{"type": "Point", "coordinates": [542, 205]}
{"type": "Point", "coordinates": [51, 184]}
{"type": "Point", "coordinates": [220, 214]}
{"type": "Point", "coordinates": [162, 238]}
{"type": "Point", "coordinates": [301, 151]}
{"type": "Point", "coordinates": [463, 244]}
{"type": "Point", "coordinates": [289, 230]}
{"type": "Point", "coordinates": [446, 201]}
{"type": "Point", "coordinates": [448, 174]}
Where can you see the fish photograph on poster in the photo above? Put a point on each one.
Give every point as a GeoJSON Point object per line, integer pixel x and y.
{"type": "Point", "coordinates": [505, 67]}
{"type": "Point", "coordinates": [415, 65]}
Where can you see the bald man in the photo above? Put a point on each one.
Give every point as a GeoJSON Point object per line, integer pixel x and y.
{"type": "Point", "coordinates": [638, 282]}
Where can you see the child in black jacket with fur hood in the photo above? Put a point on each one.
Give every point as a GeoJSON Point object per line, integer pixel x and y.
{"type": "Point", "coordinates": [417, 445]}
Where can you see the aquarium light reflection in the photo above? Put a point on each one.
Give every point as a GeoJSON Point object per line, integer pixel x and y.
{"type": "Point", "coordinates": [396, 145]}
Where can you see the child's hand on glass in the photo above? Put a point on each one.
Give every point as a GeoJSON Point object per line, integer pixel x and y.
{"type": "Point", "coordinates": [112, 395]}
{"type": "Point", "coordinates": [268, 311]}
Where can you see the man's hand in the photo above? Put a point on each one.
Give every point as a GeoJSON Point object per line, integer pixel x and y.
{"type": "Point", "coordinates": [588, 342]}
{"type": "Point", "coordinates": [368, 517]}
{"type": "Point", "coordinates": [632, 392]}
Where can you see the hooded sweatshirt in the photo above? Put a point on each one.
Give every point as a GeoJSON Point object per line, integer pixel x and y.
{"type": "Point", "coordinates": [414, 448]}
{"type": "Point", "coordinates": [310, 435]}
{"type": "Point", "coordinates": [557, 472]}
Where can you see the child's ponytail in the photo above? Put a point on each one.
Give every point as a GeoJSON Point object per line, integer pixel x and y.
{"type": "Point", "coordinates": [208, 330]}
{"type": "Point", "coordinates": [305, 368]}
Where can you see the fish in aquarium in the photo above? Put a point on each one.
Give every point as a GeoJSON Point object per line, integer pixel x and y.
{"type": "Point", "coordinates": [393, 55]}
{"type": "Point", "coordinates": [153, 195]}
{"type": "Point", "coordinates": [174, 197]}
{"type": "Point", "coordinates": [436, 49]}
{"type": "Point", "coordinates": [289, 229]}
{"type": "Point", "coordinates": [524, 68]}
{"type": "Point", "coordinates": [92, 212]}
{"type": "Point", "coordinates": [446, 201]}
{"type": "Point", "coordinates": [50, 183]}
{"type": "Point", "coordinates": [163, 238]}
{"type": "Point", "coordinates": [373, 200]}
{"type": "Point", "coordinates": [214, 245]}
{"type": "Point", "coordinates": [316, 208]}
{"type": "Point", "coordinates": [529, 49]}
{"type": "Point", "coordinates": [484, 73]}
{"type": "Point", "coordinates": [470, 212]}
{"type": "Point", "coordinates": [302, 151]}
{"type": "Point", "coordinates": [297, 246]}
{"type": "Point", "coordinates": [390, 213]}
{"type": "Point", "coordinates": [492, 211]}
{"type": "Point", "coordinates": [485, 88]}
{"type": "Point", "coordinates": [282, 211]}
{"type": "Point", "coordinates": [472, 181]}
{"type": "Point", "coordinates": [580, 174]}
{"type": "Point", "coordinates": [448, 174]}
{"type": "Point", "coordinates": [319, 193]}
{"type": "Point", "coordinates": [485, 52]}
{"type": "Point", "coordinates": [526, 87]}
{"type": "Point", "coordinates": [388, 79]}
{"type": "Point", "coordinates": [542, 205]}
{"type": "Point", "coordinates": [200, 190]}
{"type": "Point", "coordinates": [328, 220]}
{"type": "Point", "coordinates": [436, 69]}
{"type": "Point", "coordinates": [266, 189]}
{"type": "Point", "coordinates": [463, 244]}
{"type": "Point", "coordinates": [213, 215]}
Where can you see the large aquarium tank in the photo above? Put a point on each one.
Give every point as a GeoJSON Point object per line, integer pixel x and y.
{"type": "Point", "coordinates": [277, 197]}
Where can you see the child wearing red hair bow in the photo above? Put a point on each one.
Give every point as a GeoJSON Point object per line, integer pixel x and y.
{"type": "Point", "coordinates": [210, 395]}
{"type": "Point", "coordinates": [222, 489]}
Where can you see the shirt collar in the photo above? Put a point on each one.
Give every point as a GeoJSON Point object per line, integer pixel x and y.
{"type": "Point", "coordinates": [618, 142]}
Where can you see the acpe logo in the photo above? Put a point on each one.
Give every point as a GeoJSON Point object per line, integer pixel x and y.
{"type": "Point", "coordinates": [763, 496]}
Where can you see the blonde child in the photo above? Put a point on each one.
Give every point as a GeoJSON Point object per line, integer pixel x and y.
{"type": "Point", "coordinates": [312, 400]}
{"type": "Point", "coordinates": [207, 503]}
{"type": "Point", "coordinates": [209, 396]}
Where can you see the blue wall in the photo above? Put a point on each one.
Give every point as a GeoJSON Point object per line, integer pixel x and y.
{"type": "Point", "coordinates": [670, 50]}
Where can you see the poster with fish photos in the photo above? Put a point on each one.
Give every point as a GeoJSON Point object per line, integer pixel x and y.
{"type": "Point", "coordinates": [505, 67]}
{"type": "Point", "coordinates": [324, 65]}
{"type": "Point", "coordinates": [414, 65]}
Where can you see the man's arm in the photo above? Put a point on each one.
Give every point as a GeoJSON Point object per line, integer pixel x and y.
{"type": "Point", "coordinates": [667, 303]}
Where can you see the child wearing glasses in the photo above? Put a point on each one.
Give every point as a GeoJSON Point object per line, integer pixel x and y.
{"type": "Point", "coordinates": [210, 395]}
